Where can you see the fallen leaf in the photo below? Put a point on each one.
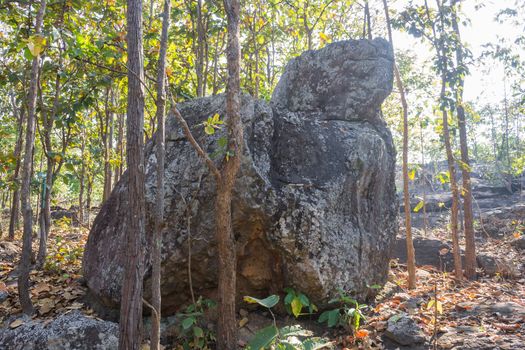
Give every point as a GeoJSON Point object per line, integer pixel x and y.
{"type": "Point", "coordinates": [243, 322]}
{"type": "Point", "coordinates": [16, 323]}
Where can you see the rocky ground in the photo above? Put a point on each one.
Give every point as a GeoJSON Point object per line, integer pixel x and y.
{"type": "Point", "coordinates": [441, 312]}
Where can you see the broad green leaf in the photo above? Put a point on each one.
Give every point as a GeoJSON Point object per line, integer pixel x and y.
{"type": "Point", "coordinates": [295, 330]}
{"type": "Point", "coordinates": [304, 299]}
{"type": "Point", "coordinates": [333, 318]}
{"type": "Point", "coordinates": [188, 322]}
{"type": "Point", "coordinates": [297, 306]}
{"type": "Point", "coordinates": [198, 332]}
{"type": "Point", "coordinates": [314, 344]}
{"type": "Point", "coordinates": [263, 338]}
{"type": "Point", "coordinates": [268, 302]}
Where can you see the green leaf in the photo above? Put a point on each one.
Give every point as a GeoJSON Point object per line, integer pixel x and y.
{"type": "Point", "coordinates": [263, 338]}
{"type": "Point", "coordinates": [297, 306]}
{"type": "Point", "coordinates": [333, 318]}
{"type": "Point", "coordinates": [295, 330]}
{"type": "Point", "coordinates": [188, 322]}
{"type": "Point", "coordinates": [209, 129]}
{"type": "Point", "coordinates": [198, 332]}
{"type": "Point", "coordinates": [419, 206]}
{"type": "Point", "coordinates": [304, 299]}
{"type": "Point", "coordinates": [222, 142]}
{"type": "Point", "coordinates": [268, 302]}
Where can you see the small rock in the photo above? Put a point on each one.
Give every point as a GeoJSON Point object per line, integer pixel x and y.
{"type": "Point", "coordinates": [404, 330]}
{"type": "Point", "coordinates": [519, 243]}
{"type": "Point", "coordinates": [488, 264]}
{"type": "Point", "coordinates": [243, 313]}
{"type": "Point", "coordinates": [3, 295]}
{"type": "Point", "coordinates": [422, 273]}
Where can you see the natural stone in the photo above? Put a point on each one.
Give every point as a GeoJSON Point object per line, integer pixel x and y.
{"type": "Point", "coordinates": [404, 330]}
{"type": "Point", "coordinates": [314, 204]}
{"type": "Point", "coordinates": [70, 331]}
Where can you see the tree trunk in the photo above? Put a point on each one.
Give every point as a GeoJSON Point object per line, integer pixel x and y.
{"type": "Point", "coordinates": [81, 180]}
{"type": "Point", "coordinates": [156, 246]}
{"type": "Point", "coordinates": [45, 213]}
{"type": "Point", "coordinates": [120, 147]}
{"type": "Point", "coordinates": [411, 260]}
{"type": "Point", "coordinates": [107, 145]}
{"type": "Point", "coordinates": [15, 208]}
{"type": "Point", "coordinates": [227, 325]}
{"type": "Point", "coordinates": [130, 325]}
{"type": "Point", "coordinates": [440, 52]}
{"type": "Point", "coordinates": [25, 261]}
{"type": "Point", "coordinates": [200, 50]}
{"type": "Point", "coordinates": [468, 216]}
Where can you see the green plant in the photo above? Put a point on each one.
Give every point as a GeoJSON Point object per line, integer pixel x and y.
{"type": "Point", "coordinates": [192, 334]}
{"type": "Point", "coordinates": [272, 337]}
{"type": "Point", "coordinates": [349, 315]}
{"type": "Point", "coordinates": [296, 301]}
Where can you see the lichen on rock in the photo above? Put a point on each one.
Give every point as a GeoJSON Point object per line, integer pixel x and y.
{"type": "Point", "coordinates": [314, 204]}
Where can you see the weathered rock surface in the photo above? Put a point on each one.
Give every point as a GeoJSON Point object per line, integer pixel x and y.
{"type": "Point", "coordinates": [72, 331]}
{"type": "Point", "coordinates": [404, 330]}
{"type": "Point", "coordinates": [314, 204]}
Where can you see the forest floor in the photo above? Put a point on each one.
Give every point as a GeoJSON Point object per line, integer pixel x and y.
{"type": "Point", "coordinates": [488, 313]}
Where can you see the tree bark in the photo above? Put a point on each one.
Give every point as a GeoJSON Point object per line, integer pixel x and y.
{"type": "Point", "coordinates": [440, 52]}
{"type": "Point", "coordinates": [130, 325]}
{"type": "Point", "coordinates": [201, 38]}
{"type": "Point", "coordinates": [411, 259]}
{"type": "Point", "coordinates": [25, 261]}
{"type": "Point", "coordinates": [156, 247]}
{"type": "Point", "coordinates": [227, 325]}
{"type": "Point", "coordinates": [468, 216]}
{"type": "Point", "coordinates": [15, 207]}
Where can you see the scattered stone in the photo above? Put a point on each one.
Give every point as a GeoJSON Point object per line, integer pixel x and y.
{"type": "Point", "coordinates": [404, 330]}
{"type": "Point", "coordinates": [519, 243]}
{"type": "Point", "coordinates": [3, 295]}
{"type": "Point", "coordinates": [72, 331]}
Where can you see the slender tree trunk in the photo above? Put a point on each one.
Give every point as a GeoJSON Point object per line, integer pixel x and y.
{"type": "Point", "coordinates": [453, 186]}
{"type": "Point", "coordinates": [25, 261]}
{"type": "Point", "coordinates": [440, 52]}
{"type": "Point", "coordinates": [107, 142]}
{"type": "Point", "coordinates": [82, 181]}
{"type": "Point", "coordinates": [45, 213]}
{"type": "Point", "coordinates": [89, 190]}
{"type": "Point", "coordinates": [227, 325]}
{"type": "Point", "coordinates": [411, 260]}
{"type": "Point", "coordinates": [368, 21]}
{"type": "Point", "coordinates": [468, 216]}
{"type": "Point", "coordinates": [506, 138]}
{"type": "Point", "coordinates": [15, 208]}
{"type": "Point", "coordinates": [425, 216]}
{"type": "Point", "coordinates": [159, 209]}
{"type": "Point", "coordinates": [200, 50]}
{"type": "Point", "coordinates": [130, 325]}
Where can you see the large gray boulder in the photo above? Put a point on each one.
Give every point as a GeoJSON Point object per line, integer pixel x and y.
{"type": "Point", "coordinates": [314, 204]}
{"type": "Point", "coordinates": [72, 331]}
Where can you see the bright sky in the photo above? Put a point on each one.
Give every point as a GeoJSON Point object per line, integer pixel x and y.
{"type": "Point", "coordinates": [481, 84]}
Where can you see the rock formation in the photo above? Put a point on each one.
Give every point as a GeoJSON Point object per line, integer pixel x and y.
{"type": "Point", "coordinates": [314, 205]}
